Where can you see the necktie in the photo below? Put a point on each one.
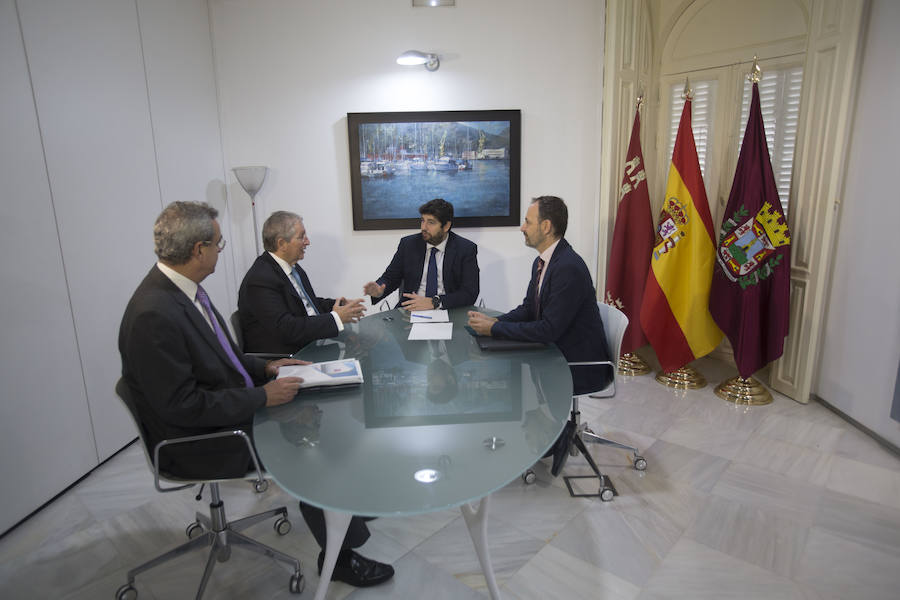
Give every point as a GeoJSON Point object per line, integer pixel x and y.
{"type": "Point", "coordinates": [203, 298]}
{"type": "Point", "coordinates": [431, 287]}
{"type": "Point", "coordinates": [310, 305]}
{"type": "Point", "coordinates": [537, 289]}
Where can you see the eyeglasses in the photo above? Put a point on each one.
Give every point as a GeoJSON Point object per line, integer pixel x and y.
{"type": "Point", "coordinates": [220, 245]}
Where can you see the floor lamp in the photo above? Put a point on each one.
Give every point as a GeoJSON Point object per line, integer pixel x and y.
{"type": "Point", "coordinates": [251, 179]}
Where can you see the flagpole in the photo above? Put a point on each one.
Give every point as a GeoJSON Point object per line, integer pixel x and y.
{"type": "Point", "coordinates": [740, 390]}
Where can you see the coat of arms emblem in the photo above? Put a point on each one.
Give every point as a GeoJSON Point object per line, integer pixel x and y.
{"type": "Point", "coordinates": [748, 246]}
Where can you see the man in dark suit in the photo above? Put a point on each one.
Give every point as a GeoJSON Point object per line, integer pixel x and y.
{"type": "Point", "coordinates": [560, 304]}
{"type": "Point", "coordinates": [434, 269]}
{"type": "Point", "coordinates": [187, 376]}
{"type": "Point", "coordinates": [279, 310]}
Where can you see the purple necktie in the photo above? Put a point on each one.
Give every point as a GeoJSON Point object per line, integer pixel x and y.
{"type": "Point", "coordinates": [203, 298]}
{"type": "Point", "coordinates": [537, 288]}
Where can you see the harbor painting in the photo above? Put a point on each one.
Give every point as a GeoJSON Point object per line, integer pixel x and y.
{"type": "Point", "coordinates": [400, 160]}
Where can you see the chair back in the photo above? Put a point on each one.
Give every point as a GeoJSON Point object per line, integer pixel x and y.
{"type": "Point", "coordinates": [615, 322]}
{"type": "Point", "coordinates": [236, 329]}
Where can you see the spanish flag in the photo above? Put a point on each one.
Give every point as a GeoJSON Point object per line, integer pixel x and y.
{"type": "Point", "coordinates": [675, 307]}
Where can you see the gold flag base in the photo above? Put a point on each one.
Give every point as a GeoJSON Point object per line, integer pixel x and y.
{"type": "Point", "coordinates": [744, 391]}
{"type": "Point", "coordinates": [631, 364]}
{"type": "Point", "coordinates": [685, 378]}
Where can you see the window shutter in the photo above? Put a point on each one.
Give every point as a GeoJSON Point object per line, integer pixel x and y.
{"type": "Point", "coordinates": [779, 98]}
{"type": "Point", "coordinates": [701, 118]}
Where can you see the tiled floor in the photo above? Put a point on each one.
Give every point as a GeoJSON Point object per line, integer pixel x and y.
{"type": "Point", "coordinates": [780, 501]}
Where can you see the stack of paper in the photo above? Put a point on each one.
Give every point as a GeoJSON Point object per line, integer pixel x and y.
{"type": "Point", "coordinates": [333, 372]}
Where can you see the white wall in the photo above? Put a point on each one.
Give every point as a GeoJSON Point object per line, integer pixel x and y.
{"type": "Point", "coordinates": [861, 345]}
{"type": "Point", "coordinates": [108, 112]}
{"type": "Point", "coordinates": [289, 72]}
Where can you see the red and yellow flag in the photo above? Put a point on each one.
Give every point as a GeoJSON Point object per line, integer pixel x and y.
{"type": "Point", "coordinates": [675, 308]}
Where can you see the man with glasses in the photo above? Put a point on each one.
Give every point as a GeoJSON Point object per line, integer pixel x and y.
{"type": "Point", "coordinates": [187, 376]}
{"type": "Point", "coordinates": [279, 310]}
{"type": "Point", "coordinates": [178, 359]}
{"type": "Point", "coordinates": [434, 268]}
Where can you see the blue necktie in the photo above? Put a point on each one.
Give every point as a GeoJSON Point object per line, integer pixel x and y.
{"type": "Point", "coordinates": [431, 275]}
{"type": "Point", "coordinates": [299, 280]}
{"type": "Point", "coordinates": [203, 298]}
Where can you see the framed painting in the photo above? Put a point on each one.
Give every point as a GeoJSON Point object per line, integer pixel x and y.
{"type": "Point", "coordinates": [400, 160]}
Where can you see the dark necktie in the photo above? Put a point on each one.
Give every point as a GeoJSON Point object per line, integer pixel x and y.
{"type": "Point", "coordinates": [537, 289]}
{"type": "Point", "coordinates": [203, 298]}
{"type": "Point", "coordinates": [431, 287]}
{"type": "Point", "coordinates": [303, 294]}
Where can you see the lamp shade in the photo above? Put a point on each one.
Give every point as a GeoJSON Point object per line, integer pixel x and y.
{"type": "Point", "coordinates": [251, 178]}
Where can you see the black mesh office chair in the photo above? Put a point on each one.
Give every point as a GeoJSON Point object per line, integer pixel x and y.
{"type": "Point", "coordinates": [214, 530]}
{"type": "Point", "coordinates": [576, 433]}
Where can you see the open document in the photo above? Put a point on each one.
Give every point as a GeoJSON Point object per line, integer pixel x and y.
{"type": "Point", "coordinates": [429, 316]}
{"type": "Point", "coordinates": [431, 331]}
{"type": "Point", "coordinates": [333, 372]}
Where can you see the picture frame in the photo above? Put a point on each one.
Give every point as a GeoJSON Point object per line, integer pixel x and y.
{"type": "Point", "coordinates": [400, 160]}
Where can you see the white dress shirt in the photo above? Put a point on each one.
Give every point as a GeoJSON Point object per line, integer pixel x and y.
{"type": "Point", "coordinates": [187, 286]}
{"type": "Point", "coordinates": [439, 259]}
{"type": "Point", "coordinates": [545, 255]}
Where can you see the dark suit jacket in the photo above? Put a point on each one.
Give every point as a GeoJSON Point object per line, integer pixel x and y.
{"type": "Point", "coordinates": [460, 271]}
{"type": "Point", "coordinates": [183, 383]}
{"type": "Point", "coordinates": [273, 317]}
{"type": "Point", "coordinates": [569, 317]}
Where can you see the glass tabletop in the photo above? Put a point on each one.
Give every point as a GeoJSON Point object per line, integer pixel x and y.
{"type": "Point", "coordinates": [435, 423]}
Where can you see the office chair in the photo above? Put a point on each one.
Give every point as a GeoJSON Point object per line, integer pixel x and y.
{"type": "Point", "coordinates": [235, 320]}
{"type": "Point", "coordinates": [213, 530]}
{"type": "Point", "coordinates": [576, 433]}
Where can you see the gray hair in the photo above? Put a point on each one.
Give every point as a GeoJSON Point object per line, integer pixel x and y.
{"type": "Point", "coordinates": [181, 225]}
{"type": "Point", "coordinates": [279, 225]}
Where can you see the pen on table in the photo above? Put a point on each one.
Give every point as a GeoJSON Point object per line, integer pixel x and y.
{"type": "Point", "coordinates": [422, 316]}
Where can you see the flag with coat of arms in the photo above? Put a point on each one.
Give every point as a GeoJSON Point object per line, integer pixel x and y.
{"type": "Point", "coordinates": [675, 308]}
{"type": "Point", "coordinates": [750, 293]}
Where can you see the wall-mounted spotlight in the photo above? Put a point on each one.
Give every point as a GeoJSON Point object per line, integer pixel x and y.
{"type": "Point", "coordinates": [414, 57]}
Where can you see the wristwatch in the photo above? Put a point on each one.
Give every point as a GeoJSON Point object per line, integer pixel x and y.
{"type": "Point", "coordinates": [436, 302]}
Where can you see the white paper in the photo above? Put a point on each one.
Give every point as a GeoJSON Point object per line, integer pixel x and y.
{"type": "Point", "coordinates": [431, 331]}
{"type": "Point", "coordinates": [334, 372]}
{"type": "Point", "coordinates": [429, 316]}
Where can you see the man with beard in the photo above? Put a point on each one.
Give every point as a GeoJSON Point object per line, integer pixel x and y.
{"type": "Point", "coordinates": [434, 269]}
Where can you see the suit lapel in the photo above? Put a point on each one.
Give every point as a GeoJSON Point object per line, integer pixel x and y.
{"type": "Point", "coordinates": [192, 313]}
{"type": "Point", "coordinates": [419, 265]}
{"type": "Point", "coordinates": [550, 267]}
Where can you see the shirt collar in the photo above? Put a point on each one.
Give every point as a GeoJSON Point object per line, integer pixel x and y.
{"type": "Point", "coordinates": [546, 254]}
{"type": "Point", "coordinates": [288, 269]}
{"type": "Point", "coordinates": [184, 284]}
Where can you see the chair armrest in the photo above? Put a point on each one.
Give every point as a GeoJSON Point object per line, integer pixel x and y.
{"type": "Point", "coordinates": [267, 355]}
{"type": "Point", "coordinates": [260, 480]}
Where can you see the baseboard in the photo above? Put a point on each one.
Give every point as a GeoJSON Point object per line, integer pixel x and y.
{"type": "Point", "coordinates": [887, 445]}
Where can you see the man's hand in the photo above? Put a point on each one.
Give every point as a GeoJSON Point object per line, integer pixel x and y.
{"type": "Point", "coordinates": [480, 322]}
{"type": "Point", "coordinates": [416, 302]}
{"type": "Point", "coordinates": [373, 289]}
{"type": "Point", "coordinates": [272, 365]}
{"type": "Point", "coordinates": [349, 310]}
{"type": "Point", "coordinates": [282, 390]}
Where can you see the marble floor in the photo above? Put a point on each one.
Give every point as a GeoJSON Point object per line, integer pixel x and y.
{"type": "Point", "coordinates": [779, 501]}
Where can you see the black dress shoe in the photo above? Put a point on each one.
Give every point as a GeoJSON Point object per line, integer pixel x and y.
{"type": "Point", "coordinates": [357, 570]}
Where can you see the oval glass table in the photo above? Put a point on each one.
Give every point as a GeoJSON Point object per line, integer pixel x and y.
{"type": "Point", "coordinates": [436, 424]}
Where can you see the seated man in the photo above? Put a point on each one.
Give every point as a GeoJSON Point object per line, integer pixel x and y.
{"type": "Point", "coordinates": [560, 305]}
{"type": "Point", "coordinates": [187, 377]}
{"type": "Point", "coordinates": [280, 312]}
{"type": "Point", "coordinates": [434, 269]}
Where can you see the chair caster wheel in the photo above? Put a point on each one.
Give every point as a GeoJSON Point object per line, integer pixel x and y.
{"type": "Point", "coordinates": [261, 486]}
{"type": "Point", "coordinates": [640, 463]}
{"type": "Point", "coordinates": [126, 592]}
{"type": "Point", "coordinates": [529, 477]}
{"type": "Point", "coordinates": [297, 583]}
{"type": "Point", "coordinates": [282, 526]}
{"type": "Point", "coordinates": [193, 530]}
{"type": "Point", "coordinates": [606, 494]}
